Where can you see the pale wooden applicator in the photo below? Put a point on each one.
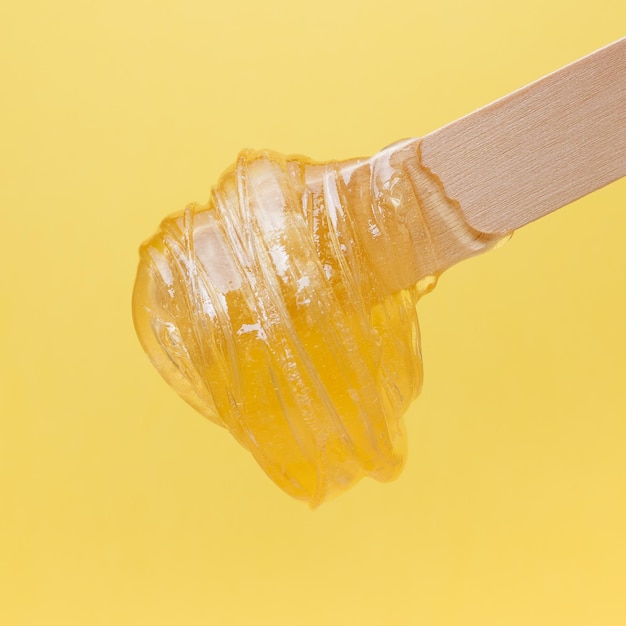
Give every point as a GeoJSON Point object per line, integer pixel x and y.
{"type": "Point", "coordinates": [472, 182]}
{"type": "Point", "coordinates": [538, 148]}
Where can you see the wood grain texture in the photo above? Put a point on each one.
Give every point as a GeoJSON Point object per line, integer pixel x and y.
{"type": "Point", "coordinates": [538, 148]}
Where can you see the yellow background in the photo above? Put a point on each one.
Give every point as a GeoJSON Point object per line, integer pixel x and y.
{"type": "Point", "coordinates": [120, 505]}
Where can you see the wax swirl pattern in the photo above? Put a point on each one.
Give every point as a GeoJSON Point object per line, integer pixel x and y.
{"type": "Point", "coordinates": [285, 309]}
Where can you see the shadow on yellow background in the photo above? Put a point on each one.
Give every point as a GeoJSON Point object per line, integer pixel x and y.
{"type": "Point", "coordinates": [122, 506]}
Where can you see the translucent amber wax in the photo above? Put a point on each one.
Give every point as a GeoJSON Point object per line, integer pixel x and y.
{"type": "Point", "coordinates": [284, 309]}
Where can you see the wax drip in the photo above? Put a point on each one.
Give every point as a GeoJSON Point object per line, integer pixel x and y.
{"type": "Point", "coordinates": [285, 308]}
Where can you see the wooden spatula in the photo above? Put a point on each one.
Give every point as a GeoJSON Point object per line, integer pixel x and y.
{"type": "Point", "coordinates": [538, 148]}
{"type": "Point", "coordinates": [452, 194]}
